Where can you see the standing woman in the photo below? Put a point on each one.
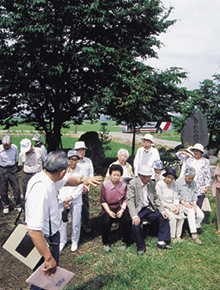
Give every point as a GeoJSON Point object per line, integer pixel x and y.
{"type": "Point", "coordinates": [203, 173]}
{"type": "Point", "coordinates": [216, 193]}
{"type": "Point", "coordinates": [167, 191]}
{"type": "Point", "coordinates": [114, 207]}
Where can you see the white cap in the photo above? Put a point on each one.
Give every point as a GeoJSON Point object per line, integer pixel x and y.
{"type": "Point", "coordinates": [25, 145]}
{"type": "Point", "coordinates": [145, 170]}
{"type": "Point", "coordinates": [6, 139]}
{"type": "Point", "coordinates": [80, 145]}
{"type": "Point", "coordinates": [198, 146]}
{"type": "Point", "coordinates": [37, 137]}
{"type": "Point", "coordinates": [72, 153]}
{"type": "Point", "coordinates": [148, 137]}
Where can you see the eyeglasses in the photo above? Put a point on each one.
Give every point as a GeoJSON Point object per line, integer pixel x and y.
{"type": "Point", "coordinates": [73, 159]}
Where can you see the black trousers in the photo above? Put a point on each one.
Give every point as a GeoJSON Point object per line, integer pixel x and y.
{"type": "Point", "coordinates": [85, 212]}
{"type": "Point", "coordinates": [200, 199]}
{"type": "Point", "coordinates": [55, 241]}
{"type": "Point", "coordinates": [164, 227]}
{"type": "Point", "coordinates": [124, 226]}
{"type": "Point", "coordinates": [25, 179]}
{"type": "Point", "coordinates": [9, 175]}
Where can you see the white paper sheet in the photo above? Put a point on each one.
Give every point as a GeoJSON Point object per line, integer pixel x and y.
{"type": "Point", "coordinates": [53, 282]}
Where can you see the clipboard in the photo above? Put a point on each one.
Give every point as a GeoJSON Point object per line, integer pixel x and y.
{"type": "Point", "coordinates": [55, 281]}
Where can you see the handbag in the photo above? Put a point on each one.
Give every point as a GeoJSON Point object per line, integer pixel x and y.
{"type": "Point", "coordinates": [206, 205]}
{"type": "Point", "coordinates": [20, 245]}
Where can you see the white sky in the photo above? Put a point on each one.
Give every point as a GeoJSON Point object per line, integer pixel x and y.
{"type": "Point", "coordinates": [193, 42]}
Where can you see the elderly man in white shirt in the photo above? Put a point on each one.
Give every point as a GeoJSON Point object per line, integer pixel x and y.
{"type": "Point", "coordinates": [86, 167]}
{"type": "Point", "coordinates": [41, 207]}
{"type": "Point", "coordinates": [31, 159]}
{"type": "Point", "coordinates": [146, 155]}
{"type": "Point", "coordinates": [8, 173]}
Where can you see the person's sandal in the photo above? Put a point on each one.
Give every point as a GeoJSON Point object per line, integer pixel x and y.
{"type": "Point", "coordinates": [196, 239]}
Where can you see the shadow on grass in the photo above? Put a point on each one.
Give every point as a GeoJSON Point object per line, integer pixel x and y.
{"type": "Point", "coordinates": [94, 284]}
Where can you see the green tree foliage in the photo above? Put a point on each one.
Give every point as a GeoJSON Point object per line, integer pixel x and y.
{"type": "Point", "coordinates": [145, 95]}
{"type": "Point", "coordinates": [57, 56]}
{"type": "Point", "coordinates": [206, 99]}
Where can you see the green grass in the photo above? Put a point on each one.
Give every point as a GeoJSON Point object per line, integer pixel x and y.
{"type": "Point", "coordinates": [86, 126]}
{"type": "Point", "coordinates": [186, 266]}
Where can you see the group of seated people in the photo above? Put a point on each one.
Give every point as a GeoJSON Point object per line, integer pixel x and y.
{"type": "Point", "coordinates": [151, 195]}
{"type": "Point", "coordinates": [154, 195]}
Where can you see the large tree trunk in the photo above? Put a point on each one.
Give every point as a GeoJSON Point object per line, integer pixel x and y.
{"type": "Point", "coordinates": [53, 136]}
{"type": "Point", "coordinates": [133, 140]}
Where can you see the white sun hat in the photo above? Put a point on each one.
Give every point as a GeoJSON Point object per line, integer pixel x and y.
{"type": "Point", "coordinates": [145, 170]}
{"type": "Point", "coordinates": [25, 145]}
{"type": "Point", "coordinates": [148, 137]}
{"type": "Point", "coordinates": [80, 145]}
{"type": "Point", "coordinates": [198, 146]}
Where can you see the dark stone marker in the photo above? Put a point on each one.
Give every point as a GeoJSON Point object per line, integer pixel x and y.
{"type": "Point", "coordinates": [95, 151]}
{"type": "Point", "coordinates": [195, 130]}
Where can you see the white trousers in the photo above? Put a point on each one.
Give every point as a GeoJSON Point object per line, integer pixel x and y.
{"type": "Point", "coordinates": [176, 224]}
{"type": "Point", "coordinates": [75, 211]}
{"type": "Point", "coordinates": [194, 221]}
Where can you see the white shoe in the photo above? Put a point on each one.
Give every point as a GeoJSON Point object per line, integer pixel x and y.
{"type": "Point", "coordinates": [6, 210]}
{"type": "Point", "coordinates": [74, 247]}
{"type": "Point", "coordinates": [62, 245]}
{"type": "Point", "coordinates": [18, 209]}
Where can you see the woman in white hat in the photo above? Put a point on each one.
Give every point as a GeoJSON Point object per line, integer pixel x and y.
{"type": "Point", "coordinates": [184, 155]}
{"type": "Point", "coordinates": [70, 201]}
{"type": "Point", "coordinates": [203, 173]}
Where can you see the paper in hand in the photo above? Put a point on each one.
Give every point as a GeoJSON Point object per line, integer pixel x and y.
{"type": "Point", "coordinates": [55, 281]}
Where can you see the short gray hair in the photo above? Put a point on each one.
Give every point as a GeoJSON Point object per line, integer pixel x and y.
{"type": "Point", "coordinates": [56, 161]}
{"type": "Point", "coordinates": [190, 171]}
{"type": "Point", "coordinates": [122, 150]}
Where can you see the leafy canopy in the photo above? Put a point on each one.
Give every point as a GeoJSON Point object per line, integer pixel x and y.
{"type": "Point", "coordinates": [58, 56]}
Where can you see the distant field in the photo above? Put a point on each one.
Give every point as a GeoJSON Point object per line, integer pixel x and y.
{"type": "Point", "coordinates": [86, 126]}
{"type": "Point", "coordinates": [23, 130]}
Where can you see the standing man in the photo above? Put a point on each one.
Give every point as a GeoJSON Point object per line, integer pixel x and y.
{"type": "Point", "coordinates": [41, 207]}
{"type": "Point", "coordinates": [146, 155]}
{"type": "Point", "coordinates": [39, 143]}
{"type": "Point", "coordinates": [86, 167]}
{"type": "Point", "coordinates": [143, 202]}
{"type": "Point", "coordinates": [31, 159]}
{"type": "Point", "coordinates": [8, 173]}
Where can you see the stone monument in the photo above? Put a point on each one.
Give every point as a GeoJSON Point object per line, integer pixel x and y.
{"type": "Point", "coordinates": [95, 151]}
{"type": "Point", "coordinates": [195, 130]}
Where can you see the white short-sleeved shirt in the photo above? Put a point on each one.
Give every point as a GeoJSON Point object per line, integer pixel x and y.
{"type": "Point", "coordinates": [8, 157]}
{"type": "Point", "coordinates": [42, 202]}
{"type": "Point", "coordinates": [74, 191]}
{"type": "Point", "coordinates": [33, 161]}
{"type": "Point", "coordinates": [86, 167]}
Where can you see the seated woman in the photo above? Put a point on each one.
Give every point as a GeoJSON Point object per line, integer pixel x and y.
{"type": "Point", "coordinates": [114, 207]}
{"type": "Point", "coordinates": [123, 155]}
{"type": "Point", "coordinates": [167, 191]}
{"type": "Point", "coordinates": [187, 190]}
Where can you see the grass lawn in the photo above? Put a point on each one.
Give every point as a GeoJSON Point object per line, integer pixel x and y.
{"type": "Point", "coordinates": [186, 266]}
{"type": "Point", "coordinates": [86, 126]}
